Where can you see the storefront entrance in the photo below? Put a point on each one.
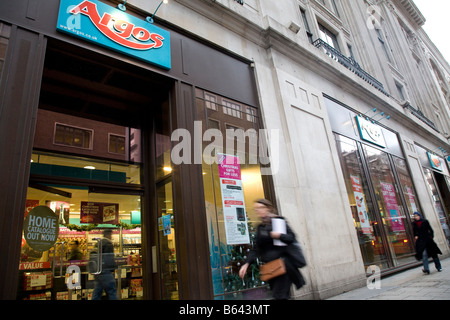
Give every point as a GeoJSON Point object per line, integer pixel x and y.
{"type": "Point", "coordinates": [100, 164]}
{"type": "Point", "coordinates": [379, 186]}
{"type": "Point", "coordinates": [440, 190]}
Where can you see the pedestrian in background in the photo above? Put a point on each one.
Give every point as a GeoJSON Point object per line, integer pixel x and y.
{"type": "Point", "coordinates": [105, 279]}
{"type": "Point", "coordinates": [425, 245]}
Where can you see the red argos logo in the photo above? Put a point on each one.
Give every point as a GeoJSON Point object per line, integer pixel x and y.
{"type": "Point", "coordinates": [119, 30]}
{"type": "Point", "coordinates": [436, 162]}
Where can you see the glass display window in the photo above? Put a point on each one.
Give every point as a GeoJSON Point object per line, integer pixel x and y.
{"type": "Point", "coordinates": [382, 199]}
{"type": "Point", "coordinates": [407, 186]}
{"type": "Point", "coordinates": [167, 243]}
{"type": "Point", "coordinates": [367, 224]}
{"type": "Point", "coordinates": [397, 226]}
{"type": "Point", "coordinates": [62, 272]}
{"type": "Point", "coordinates": [232, 181]}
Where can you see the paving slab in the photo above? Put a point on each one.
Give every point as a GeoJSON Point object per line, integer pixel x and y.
{"type": "Point", "coordinates": [411, 284]}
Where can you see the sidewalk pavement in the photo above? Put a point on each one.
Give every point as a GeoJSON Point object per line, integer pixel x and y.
{"type": "Point", "coordinates": [411, 284]}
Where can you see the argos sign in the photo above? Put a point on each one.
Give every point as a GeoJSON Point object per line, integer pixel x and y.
{"type": "Point", "coordinates": [435, 161]}
{"type": "Point", "coordinates": [370, 132]}
{"type": "Point", "coordinates": [112, 28]}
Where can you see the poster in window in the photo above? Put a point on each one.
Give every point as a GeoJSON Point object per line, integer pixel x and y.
{"type": "Point", "coordinates": [392, 207]}
{"type": "Point", "coordinates": [235, 217]}
{"type": "Point", "coordinates": [360, 204]}
{"type": "Point", "coordinates": [411, 198]}
{"type": "Point", "coordinates": [98, 212]}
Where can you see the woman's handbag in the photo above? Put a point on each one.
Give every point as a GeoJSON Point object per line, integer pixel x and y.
{"type": "Point", "coordinates": [272, 269]}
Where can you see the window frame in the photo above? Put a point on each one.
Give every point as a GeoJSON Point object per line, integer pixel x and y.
{"type": "Point", "coordinates": [326, 34]}
{"type": "Point", "coordinates": [118, 136]}
{"type": "Point", "coordinates": [91, 136]}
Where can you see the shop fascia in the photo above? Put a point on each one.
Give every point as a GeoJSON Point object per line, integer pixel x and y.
{"type": "Point", "coordinates": [260, 152]}
{"type": "Point", "coordinates": [109, 27]}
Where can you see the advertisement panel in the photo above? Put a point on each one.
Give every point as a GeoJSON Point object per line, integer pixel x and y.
{"type": "Point", "coordinates": [235, 217]}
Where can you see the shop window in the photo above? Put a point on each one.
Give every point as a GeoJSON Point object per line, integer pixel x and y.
{"type": "Point", "coordinates": [167, 248]}
{"type": "Point", "coordinates": [82, 216]}
{"type": "Point", "coordinates": [232, 227]}
{"type": "Point", "coordinates": [116, 144]}
{"type": "Point", "coordinates": [163, 144]}
{"type": "Point", "coordinates": [166, 215]}
{"type": "Point", "coordinates": [73, 136]}
{"type": "Point", "coordinates": [407, 186]}
{"type": "Point", "coordinates": [397, 225]}
{"type": "Point", "coordinates": [368, 226]}
{"type": "Point", "coordinates": [382, 203]}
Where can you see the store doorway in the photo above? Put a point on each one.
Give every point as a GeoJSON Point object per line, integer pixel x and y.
{"type": "Point", "coordinates": [439, 186]}
{"type": "Point", "coordinates": [95, 163]}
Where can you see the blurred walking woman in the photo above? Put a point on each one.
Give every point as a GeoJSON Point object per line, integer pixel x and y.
{"type": "Point", "coordinates": [267, 251]}
{"type": "Point", "coordinates": [425, 245]}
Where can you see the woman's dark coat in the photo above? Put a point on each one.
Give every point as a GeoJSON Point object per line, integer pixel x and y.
{"type": "Point", "coordinates": [266, 251]}
{"type": "Point", "coordinates": [425, 234]}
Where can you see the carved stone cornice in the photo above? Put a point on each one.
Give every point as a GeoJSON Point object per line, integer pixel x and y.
{"type": "Point", "coordinates": [409, 9]}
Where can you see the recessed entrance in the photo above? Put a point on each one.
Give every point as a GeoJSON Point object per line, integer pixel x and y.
{"type": "Point", "coordinates": [100, 162]}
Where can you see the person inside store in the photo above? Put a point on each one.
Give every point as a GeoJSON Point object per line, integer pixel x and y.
{"type": "Point", "coordinates": [75, 253]}
{"type": "Point", "coordinates": [105, 279]}
{"type": "Point", "coordinates": [425, 245]}
{"type": "Point", "coordinates": [266, 250]}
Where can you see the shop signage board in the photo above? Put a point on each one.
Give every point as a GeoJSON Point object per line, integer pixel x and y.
{"type": "Point", "coordinates": [236, 228]}
{"type": "Point", "coordinates": [370, 132]}
{"type": "Point", "coordinates": [112, 28]}
{"type": "Point", "coordinates": [435, 161]}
